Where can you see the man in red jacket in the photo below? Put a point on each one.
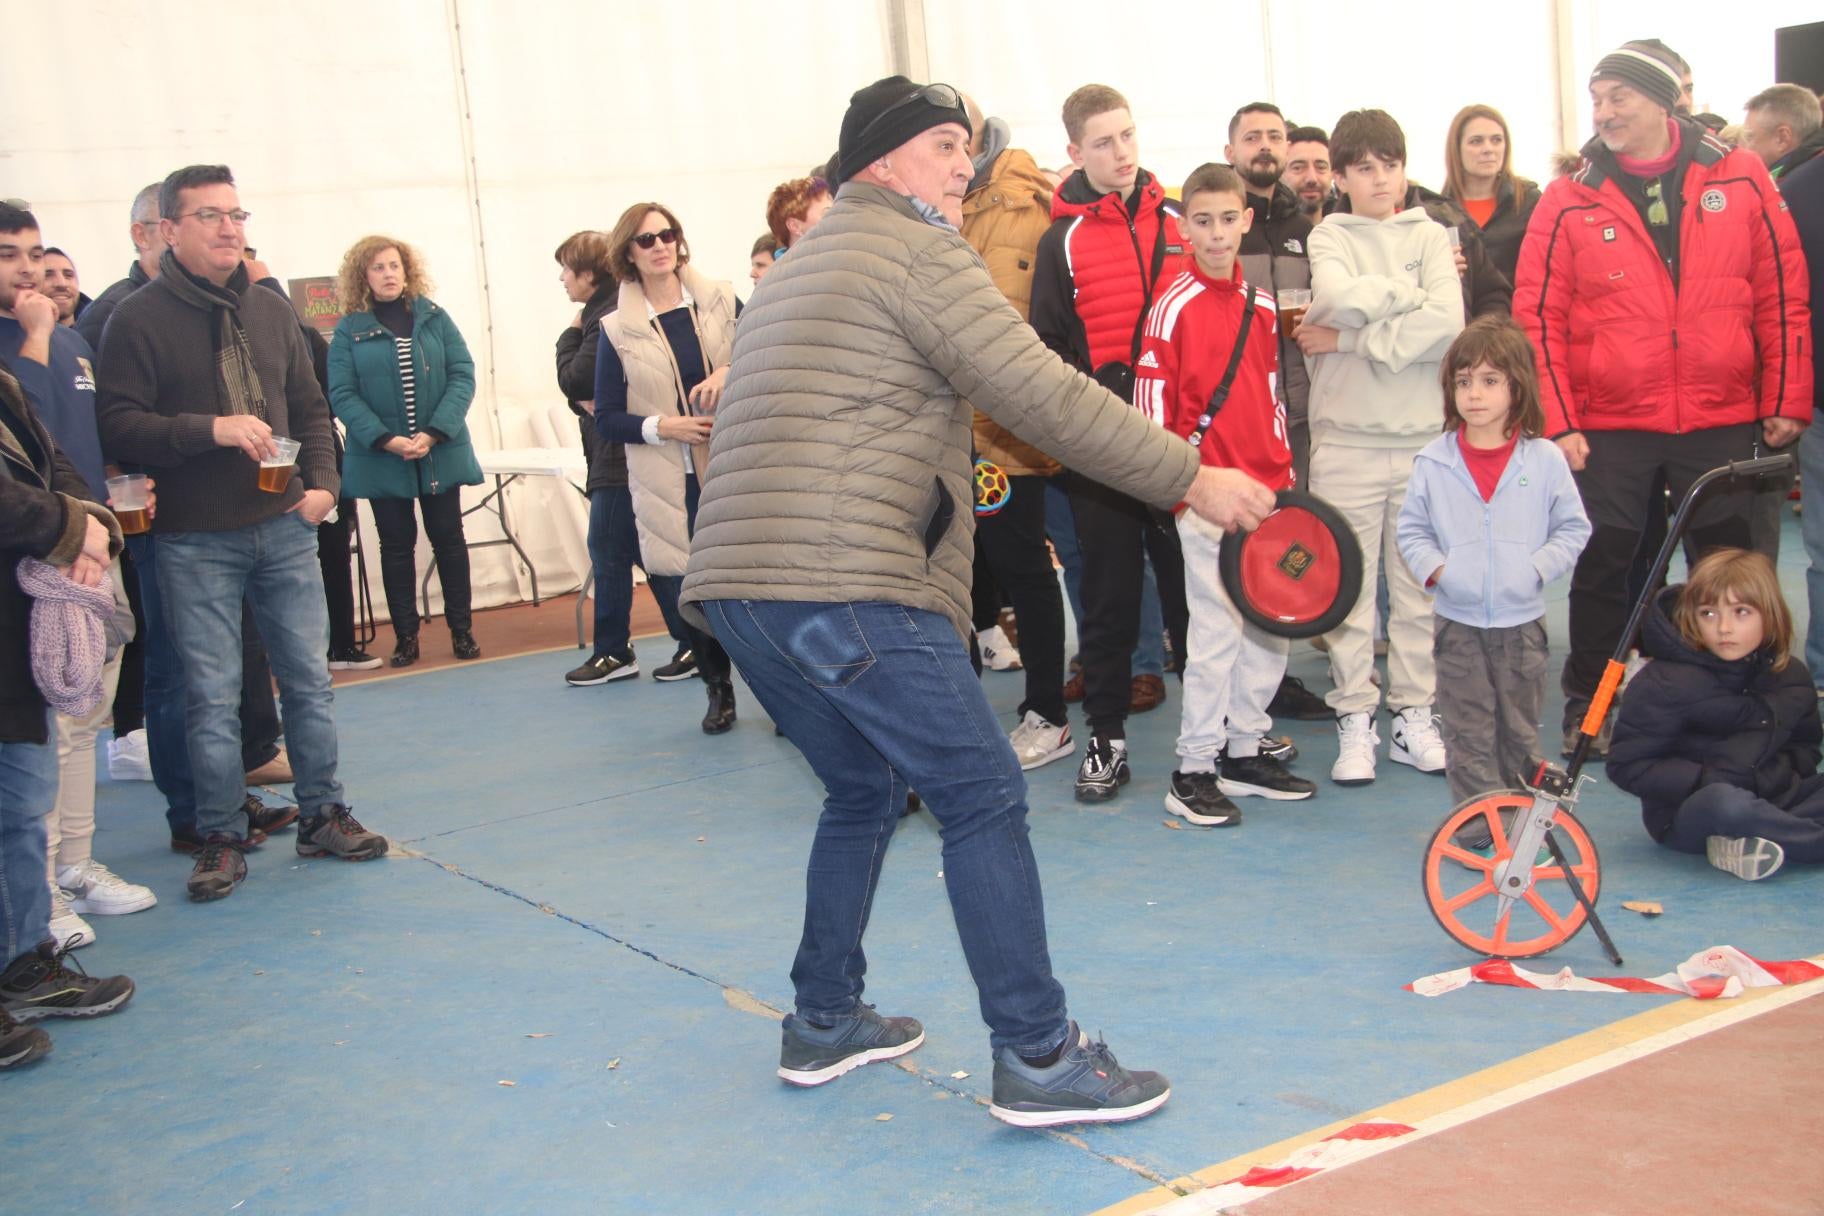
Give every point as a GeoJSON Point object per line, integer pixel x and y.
{"type": "Point", "coordinates": [1666, 297]}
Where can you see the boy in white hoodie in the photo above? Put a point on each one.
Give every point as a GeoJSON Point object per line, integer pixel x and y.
{"type": "Point", "coordinates": [1386, 304]}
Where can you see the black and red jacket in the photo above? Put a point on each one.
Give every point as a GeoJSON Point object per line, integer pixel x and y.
{"type": "Point", "coordinates": [1094, 269]}
{"type": "Point", "coordinates": [1622, 347]}
{"type": "Point", "coordinates": [1189, 339]}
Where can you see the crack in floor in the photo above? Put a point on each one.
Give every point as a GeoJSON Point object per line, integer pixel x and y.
{"type": "Point", "coordinates": [746, 1002]}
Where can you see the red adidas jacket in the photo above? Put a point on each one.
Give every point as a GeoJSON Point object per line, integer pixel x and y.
{"type": "Point", "coordinates": [1620, 349]}
{"type": "Point", "coordinates": [1189, 339]}
{"type": "Point", "coordinates": [1094, 269]}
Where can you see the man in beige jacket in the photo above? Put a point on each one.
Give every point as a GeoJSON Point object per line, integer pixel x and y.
{"type": "Point", "coordinates": [832, 559]}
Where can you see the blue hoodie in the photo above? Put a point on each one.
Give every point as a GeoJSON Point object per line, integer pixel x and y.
{"type": "Point", "coordinates": [1497, 555]}
{"type": "Point", "coordinates": [63, 394]}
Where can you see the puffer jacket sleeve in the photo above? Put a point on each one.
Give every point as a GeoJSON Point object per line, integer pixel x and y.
{"type": "Point", "coordinates": [1782, 303]}
{"type": "Point", "coordinates": [365, 429]}
{"type": "Point", "coordinates": [448, 415]}
{"type": "Point", "coordinates": [1645, 758]}
{"type": "Point", "coordinates": [1542, 306]}
{"type": "Point", "coordinates": [957, 320]}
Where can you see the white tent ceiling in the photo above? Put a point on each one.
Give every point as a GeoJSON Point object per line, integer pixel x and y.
{"type": "Point", "coordinates": [484, 131]}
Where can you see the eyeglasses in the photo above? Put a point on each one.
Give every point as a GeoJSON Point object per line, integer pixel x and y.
{"type": "Point", "coordinates": [943, 96]}
{"type": "Point", "coordinates": [212, 217]}
{"type": "Point", "coordinates": [1656, 204]}
{"type": "Point", "coordinates": [646, 240]}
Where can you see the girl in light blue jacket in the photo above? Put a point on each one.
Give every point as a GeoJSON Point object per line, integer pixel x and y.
{"type": "Point", "coordinates": [1491, 516]}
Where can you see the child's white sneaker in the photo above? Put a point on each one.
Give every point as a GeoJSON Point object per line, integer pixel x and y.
{"type": "Point", "coordinates": [1356, 740]}
{"type": "Point", "coordinates": [998, 653]}
{"type": "Point", "coordinates": [1416, 740]}
{"type": "Point", "coordinates": [1749, 858]}
{"type": "Point", "coordinates": [66, 924]}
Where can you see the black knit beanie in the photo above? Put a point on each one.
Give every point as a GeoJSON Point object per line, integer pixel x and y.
{"type": "Point", "coordinates": [1636, 65]}
{"type": "Point", "coordinates": [891, 101]}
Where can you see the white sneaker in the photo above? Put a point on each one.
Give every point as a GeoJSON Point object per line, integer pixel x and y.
{"type": "Point", "coordinates": [997, 652]}
{"type": "Point", "coordinates": [99, 891]}
{"type": "Point", "coordinates": [1356, 740]}
{"type": "Point", "coordinates": [128, 759]}
{"type": "Point", "coordinates": [65, 924]}
{"type": "Point", "coordinates": [1036, 741]}
{"type": "Point", "coordinates": [1749, 858]}
{"type": "Point", "coordinates": [1416, 740]}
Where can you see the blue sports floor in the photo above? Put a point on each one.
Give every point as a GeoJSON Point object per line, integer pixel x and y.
{"type": "Point", "coordinates": [559, 994]}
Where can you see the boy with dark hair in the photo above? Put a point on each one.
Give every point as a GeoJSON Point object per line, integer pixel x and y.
{"type": "Point", "coordinates": [1114, 238]}
{"type": "Point", "coordinates": [1206, 373]}
{"type": "Point", "coordinates": [1386, 305]}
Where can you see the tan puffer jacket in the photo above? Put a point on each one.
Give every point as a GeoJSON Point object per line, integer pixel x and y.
{"type": "Point", "coordinates": [839, 467]}
{"type": "Point", "coordinates": [1003, 221]}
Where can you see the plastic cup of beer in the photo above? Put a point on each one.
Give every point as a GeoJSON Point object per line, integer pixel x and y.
{"type": "Point", "coordinates": [1293, 302]}
{"type": "Point", "coordinates": [128, 497]}
{"type": "Point", "coordinates": [275, 471]}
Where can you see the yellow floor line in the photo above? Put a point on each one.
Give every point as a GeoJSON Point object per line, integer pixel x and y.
{"type": "Point", "coordinates": [1514, 1080]}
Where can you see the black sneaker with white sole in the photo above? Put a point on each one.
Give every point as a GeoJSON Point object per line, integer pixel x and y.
{"type": "Point", "coordinates": [1293, 700]}
{"type": "Point", "coordinates": [1198, 798]}
{"type": "Point", "coordinates": [1261, 777]}
{"type": "Point", "coordinates": [38, 985]}
{"type": "Point", "coordinates": [352, 658]}
{"type": "Point", "coordinates": [602, 668]}
{"type": "Point", "coordinates": [1086, 1085]}
{"type": "Point", "coordinates": [1103, 772]}
{"type": "Point", "coordinates": [816, 1055]}
{"type": "Point", "coordinates": [683, 666]}
{"type": "Point", "coordinates": [20, 1044]}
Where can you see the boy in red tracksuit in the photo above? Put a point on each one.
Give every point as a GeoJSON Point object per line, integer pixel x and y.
{"type": "Point", "coordinates": [1232, 667]}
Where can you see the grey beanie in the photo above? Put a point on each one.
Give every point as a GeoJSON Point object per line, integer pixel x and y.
{"type": "Point", "coordinates": [1635, 65]}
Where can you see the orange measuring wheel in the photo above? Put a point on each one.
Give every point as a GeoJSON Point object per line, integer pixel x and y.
{"type": "Point", "coordinates": [1460, 884]}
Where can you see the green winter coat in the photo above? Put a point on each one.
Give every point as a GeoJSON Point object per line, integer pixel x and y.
{"type": "Point", "coordinates": [364, 391]}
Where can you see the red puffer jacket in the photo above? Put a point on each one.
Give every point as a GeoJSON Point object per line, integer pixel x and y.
{"type": "Point", "coordinates": [1094, 275]}
{"type": "Point", "coordinates": [1620, 348]}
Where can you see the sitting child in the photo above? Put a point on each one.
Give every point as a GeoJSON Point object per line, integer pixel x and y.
{"type": "Point", "coordinates": [1719, 734]}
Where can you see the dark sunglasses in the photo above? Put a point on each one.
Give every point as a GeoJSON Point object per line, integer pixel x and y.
{"type": "Point", "coordinates": [646, 240]}
{"type": "Point", "coordinates": [941, 96]}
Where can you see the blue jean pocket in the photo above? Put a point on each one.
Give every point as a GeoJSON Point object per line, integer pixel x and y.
{"type": "Point", "coordinates": [826, 647]}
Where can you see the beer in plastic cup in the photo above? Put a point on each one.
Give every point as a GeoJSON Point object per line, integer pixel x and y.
{"type": "Point", "coordinates": [128, 498]}
{"type": "Point", "coordinates": [275, 471]}
{"type": "Point", "coordinates": [1293, 302]}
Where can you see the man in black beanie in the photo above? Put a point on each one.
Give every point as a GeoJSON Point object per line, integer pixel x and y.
{"type": "Point", "coordinates": [1665, 293]}
{"type": "Point", "coordinates": [832, 558]}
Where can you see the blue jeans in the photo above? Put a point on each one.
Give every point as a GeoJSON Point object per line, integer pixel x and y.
{"type": "Point", "coordinates": [204, 576]}
{"type": "Point", "coordinates": [880, 697]}
{"type": "Point", "coordinates": [1811, 524]}
{"type": "Point", "coordinates": [28, 788]}
{"type": "Point", "coordinates": [1061, 530]}
{"type": "Point", "coordinates": [614, 550]}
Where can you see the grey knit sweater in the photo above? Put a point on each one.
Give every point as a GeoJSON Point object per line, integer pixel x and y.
{"type": "Point", "coordinates": [158, 395]}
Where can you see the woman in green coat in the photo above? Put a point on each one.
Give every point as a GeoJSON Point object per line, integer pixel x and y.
{"type": "Point", "coordinates": [401, 380]}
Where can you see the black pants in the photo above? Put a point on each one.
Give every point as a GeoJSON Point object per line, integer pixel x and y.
{"type": "Point", "coordinates": [712, 660]}
{"type": "Point", "coordinates": [1010, 545]}
{"type": "Point", "coordinates": [1618, 486]}
{"type": "Point", "coordinates": [398, 528]}
{"type": "Point", "coordinates": [1111, 530]}
{"type": "Point", "coordinates": [338, 583]}
{"type": "Point", "coordinates": [130, 697]}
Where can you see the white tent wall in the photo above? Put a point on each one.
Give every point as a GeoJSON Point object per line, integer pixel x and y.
{"type": "Point", "coordinates": [484, 132]}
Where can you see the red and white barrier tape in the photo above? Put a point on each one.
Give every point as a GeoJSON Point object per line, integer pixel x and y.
{"type": "Point", "coordinates": [1719, 972]}
{"type": "Point", "coordinates": [1349, 1145]}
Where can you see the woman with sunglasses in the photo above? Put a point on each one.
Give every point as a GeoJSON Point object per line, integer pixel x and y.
{"type": "Point", "coordinates": [660, 365]}
{"type": "Point", "coordinates": [1479, 177]}
{"type": "Point", "coordinates": [401, 380]}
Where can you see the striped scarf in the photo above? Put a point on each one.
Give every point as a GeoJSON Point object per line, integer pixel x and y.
{"type": "Point", "coordinates": [239, 379]}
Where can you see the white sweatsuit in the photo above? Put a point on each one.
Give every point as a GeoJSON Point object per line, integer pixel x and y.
{"type": "Point", "coordinates": [1390, 288]}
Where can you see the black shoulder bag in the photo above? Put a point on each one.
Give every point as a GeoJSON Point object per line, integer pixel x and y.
{"type": "Point", "coordinates": [1217, 398]}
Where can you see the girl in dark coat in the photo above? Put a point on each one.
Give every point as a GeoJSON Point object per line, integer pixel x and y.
{"type": "Point", "coordinates": [1719, 733]}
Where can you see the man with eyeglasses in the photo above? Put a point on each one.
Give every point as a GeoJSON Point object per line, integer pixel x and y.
{"type": "Point", "coordinates": [200, 372]}
{"type": "Point", "coordinates": [1665, 293]}
{"type": "Point", "coordinates": [832, 560]}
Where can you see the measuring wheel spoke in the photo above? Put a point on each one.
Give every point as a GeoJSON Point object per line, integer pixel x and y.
{"type": "Point", "coordinates": [1481, 890]}
{"type": "Point", "coordinates": [1545, 911]}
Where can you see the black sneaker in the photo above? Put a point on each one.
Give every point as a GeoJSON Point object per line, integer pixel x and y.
{"type": "Point", "coordinates": [1086, 1085]}
{"type": "Point", "coordinates": [20, 1044]}
{"type": "Point", "coordinates": [601, 669]}
{"type": "Point", "coordinates": [336, 833]}
{"type": "Point", "coordinates": [1103, 772]}
{"type": "Point", "coordinates": [683, 666]}
{"type": "Point", "coordinates": [38, 985]}
{"type": "Point", "coordinates": [464, 645]}
{"type": "Point", "coordinates": [1278, 747]}
{"type": "Point", "coordinates": [1197, 797]}
{"type": "Point", "coordinates": [352, 658]}
{"type": "Point", "coordinates": [810, 1055]}
{"type": "Point", "coordinates": [405, 651]}
{"type": "Point", "coordinates": [1294, 700]}
{"type": "Point", "coordinates": [1261, 777]}
{"type": "Point", "coordinates": [219, 868]}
